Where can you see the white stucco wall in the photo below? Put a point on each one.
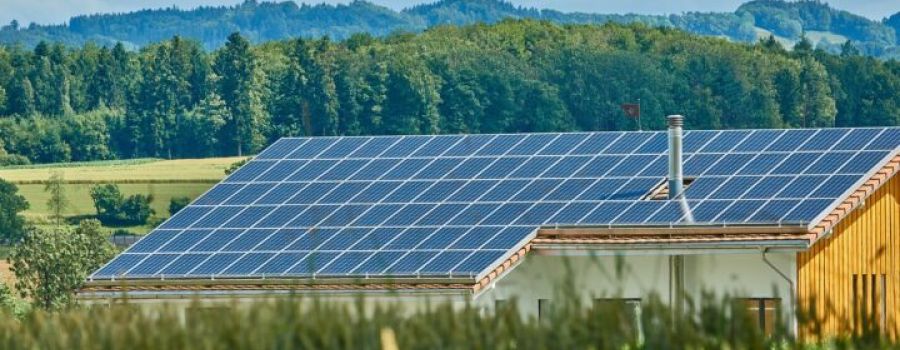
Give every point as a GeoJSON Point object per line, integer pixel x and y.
{"type": "Point", "coordinates": [741, 274]}
{"type": "Point", "coordinates": [634, 275]}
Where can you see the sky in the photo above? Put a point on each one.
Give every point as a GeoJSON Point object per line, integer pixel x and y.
{"type": "Point", "coordinates": [59, 11]}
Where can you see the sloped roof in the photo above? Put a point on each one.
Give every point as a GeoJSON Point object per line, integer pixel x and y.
{"type": "Point", "coordinates": [467, 207]}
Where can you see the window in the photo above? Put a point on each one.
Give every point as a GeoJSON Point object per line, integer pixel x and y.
{"type": "Point", "coordinates": [545, 308]}
{"type": "Point", "coordinates": [765, 311]}
{"type": "Point", "coordinates": [869, 304]}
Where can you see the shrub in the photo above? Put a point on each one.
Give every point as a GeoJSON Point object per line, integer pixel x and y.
{"type": "Point", "coordinates": [235, 166]}
{"type": "Point", "coordinates": [13, 159]}
{"type": "Point", "coordinates": [178, 203]}
{"type": "Point", "coordinates": [136, 209]}
{"type": "Point", "coordinates": [113, 208]}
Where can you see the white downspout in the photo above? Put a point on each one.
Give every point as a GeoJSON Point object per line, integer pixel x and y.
{"type": "Point", "coordinates": [791, 296]}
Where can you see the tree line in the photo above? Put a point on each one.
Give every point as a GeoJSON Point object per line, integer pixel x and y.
{"type": "Point", "coordinates": [175, 99]}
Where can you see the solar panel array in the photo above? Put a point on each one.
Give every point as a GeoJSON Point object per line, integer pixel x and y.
{"type": "Point", "coordinates": [456, 205]}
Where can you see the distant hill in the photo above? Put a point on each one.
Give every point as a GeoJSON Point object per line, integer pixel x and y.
{"type": "Point", "coordinates": [826, 27]}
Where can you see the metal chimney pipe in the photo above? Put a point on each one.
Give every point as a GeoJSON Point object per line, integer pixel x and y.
{"type": "Point", "coordinates": [676, 176]}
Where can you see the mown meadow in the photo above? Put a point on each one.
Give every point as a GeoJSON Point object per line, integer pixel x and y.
{"type": "Point", "coordinates": [163, 179]}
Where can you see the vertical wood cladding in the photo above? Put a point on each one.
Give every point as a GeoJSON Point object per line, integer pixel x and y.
{"type": "Point", "coordinates": [856, 270]}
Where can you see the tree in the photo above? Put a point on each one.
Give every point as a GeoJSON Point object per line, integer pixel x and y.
{"type": "Point", "coordinates": [136, 209]}
{"type": "Point", "coordinates": [107, 201]}
{"type": "Point", "coordinates": [10, 303]}
{"type": "Point", "coordinates": [88, 135]}
{"type": "Point", "coordinates": [21, 96]}
{"type": "Point", "coordinates": [114, 208]}
{"type": "Point", "coordinates": [50, 265]}
{"type": "Point", "coordinates": [238, 85]}
{"type": "Point", "coordinates": [803, 46]}
{"type": "Point", "coordinates": [817, 107]}
{"type": "Point", "coordinates": [58, 202]}
{"type": "Point", "coordinates": [2, 97]}
{"type": "Point", "coordinates": [178, 203]}
{"type": "Point", "coordinates": [12, 225]}
{"type": "Point", "coordinates": [848, 49]}
{"type": "Point", "coordinates": [199, 128]}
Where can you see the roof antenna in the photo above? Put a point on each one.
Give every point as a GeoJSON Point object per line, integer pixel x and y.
{"type": "Point", "coordinates": [676, 175]}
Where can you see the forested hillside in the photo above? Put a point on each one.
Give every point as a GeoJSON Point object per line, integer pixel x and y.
{"type": "Point", "coordinates": [827, 28]}
{"type": "Point", "coordinates": [174, 99]}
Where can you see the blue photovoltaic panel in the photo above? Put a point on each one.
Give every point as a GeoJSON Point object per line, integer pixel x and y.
{"type": "Point", "coordinates": [468, 145]}
{"type": "Point", "coordinates": [343, 147]}
{"type": "Point", "coordinates": [758, 140]}
{"type": "Point", "coordinates": [695, 140]}
{"type": "Point", "coordinates": [532, 144]}
{"type": "Point", "coordinates": [250, 171]}
{"type": "Point", "coordinates": [453, 205]}
{"type": "Point", "coordinates": [725, 141]}
{"type": "Point", "coordinates": [887, 141]}
{"type": "Point", "coordinates": [374, 148]}
{"type": "Point", "coordinates": [857, 139]}
{"type": "Point", "coordinates": [405, 146]}
{"type": "Point", "coordinates": [564, 144]}
{"type": "Point", "coordinates": [311, 148]}
{"type": "Point", "coordinates": [500, 145]}
{"type": "Point", "coordinates": [281, 148]}
{"type": "Point", "coordinates": [281, 170]}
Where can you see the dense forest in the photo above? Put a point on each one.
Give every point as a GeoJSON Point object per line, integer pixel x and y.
{"type": "Point", "coordinates": [175, 99]}
{"type": "Point", "coordinates": [259, 22]}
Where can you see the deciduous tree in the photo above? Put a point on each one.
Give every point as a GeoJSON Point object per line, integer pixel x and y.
{"type": "Point", "coordinates": [50, 265]}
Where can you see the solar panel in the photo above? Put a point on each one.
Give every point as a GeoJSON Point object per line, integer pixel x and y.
{"type": "Point", "coordinates": [455, 205]}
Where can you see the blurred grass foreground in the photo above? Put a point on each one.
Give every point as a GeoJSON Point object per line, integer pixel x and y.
{"type": "Point", "coordinates": [311, 323]}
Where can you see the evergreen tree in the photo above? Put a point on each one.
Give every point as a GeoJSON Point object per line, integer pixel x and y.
{"type": "Point", "coordinates": [291, 109]}
{"type": "Point", "coordinates": [238, 85]}
{"type": "Point", "coordinates": [21, 96]}
{"type": "Point", "coordinates": [817, 107]}
{"type": "Point", "coordinates": [848, 49]}
{"type": "Point", "coordinates": [323, 100]}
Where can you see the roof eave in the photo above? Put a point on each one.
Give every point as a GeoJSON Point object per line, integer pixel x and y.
{"type": "Point", "coordinates": [856, 197]}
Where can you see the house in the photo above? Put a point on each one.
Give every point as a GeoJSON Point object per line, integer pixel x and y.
{"type": "Point", "coordinates": [777, 218]}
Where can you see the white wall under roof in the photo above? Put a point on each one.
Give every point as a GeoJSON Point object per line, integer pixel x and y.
{"type": "Point", "coordinates": [743, 275]}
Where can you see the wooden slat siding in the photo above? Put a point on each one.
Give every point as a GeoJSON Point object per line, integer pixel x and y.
{"type": "Point", "coordinates": [866, 242]}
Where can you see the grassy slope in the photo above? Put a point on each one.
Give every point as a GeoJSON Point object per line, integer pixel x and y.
{"type": "Point", "coordinates": [163, 179]}
{"type": "Point", "coordinates": [181, 170]}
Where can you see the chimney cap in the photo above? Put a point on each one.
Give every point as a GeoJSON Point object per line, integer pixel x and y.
{"type": "Point", "coordinates": [675, 120]}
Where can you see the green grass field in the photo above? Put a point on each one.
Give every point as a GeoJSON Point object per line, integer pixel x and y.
{"type": "Point", "coordinates": [163, 179]}
{"type": "Point", "coordinates": [139, 171]}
